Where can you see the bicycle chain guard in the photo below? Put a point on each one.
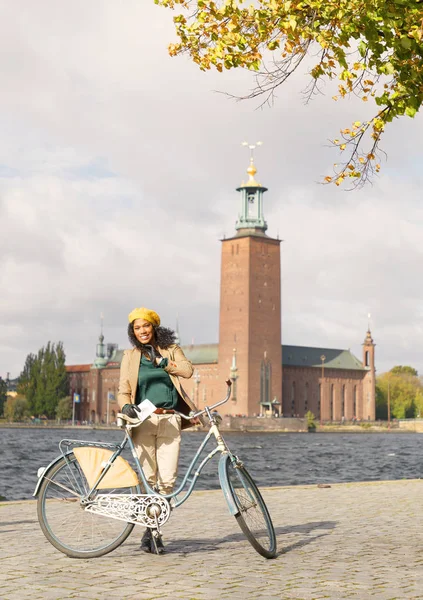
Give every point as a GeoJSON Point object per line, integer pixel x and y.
{"type": "Point", "coordinates": [146, 510]}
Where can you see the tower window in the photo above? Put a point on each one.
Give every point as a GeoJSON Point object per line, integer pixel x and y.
{"type": "Point", "coordinates": [251, 198]}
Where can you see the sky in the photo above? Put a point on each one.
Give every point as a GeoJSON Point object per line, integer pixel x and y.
{"type": "Point", "coordinates": [118, 171]}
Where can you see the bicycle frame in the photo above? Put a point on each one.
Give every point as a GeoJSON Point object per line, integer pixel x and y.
{"type": "Point", "coordinates": [129, 498]}
{"type": "Point", "coordinates": [118, 449]}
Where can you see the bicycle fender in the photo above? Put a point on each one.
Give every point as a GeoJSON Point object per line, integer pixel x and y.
{"type": "Point", "coordinates": [224, 484]}
{"type": "Point", "coordinates": [46, 470]}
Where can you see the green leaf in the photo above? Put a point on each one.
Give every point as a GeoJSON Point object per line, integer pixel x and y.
{"type": "Point", "coordinates": [410, 111]}
{"type": "Point", "coordinates": [405, 42]}
{"type": "Point", "coordinates": [362, 47]}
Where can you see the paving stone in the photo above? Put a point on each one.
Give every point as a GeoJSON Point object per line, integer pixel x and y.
{"type": "Point", "coordinates": [350, 541]}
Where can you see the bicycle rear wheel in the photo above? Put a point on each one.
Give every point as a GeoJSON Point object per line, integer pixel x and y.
{"type": "Point", "coordinates": [64, 520]}
{"type": "Point", "coordinates": [252, 515]}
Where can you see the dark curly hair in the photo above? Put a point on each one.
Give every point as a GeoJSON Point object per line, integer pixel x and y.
{"type": "Point", "coordinates": [163, 337]}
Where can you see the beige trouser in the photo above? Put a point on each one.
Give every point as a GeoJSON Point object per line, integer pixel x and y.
{"type": "Point", "coordinates": [157, 442]}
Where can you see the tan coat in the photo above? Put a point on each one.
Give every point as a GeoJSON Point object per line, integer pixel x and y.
{"type": "Point", "coordinates": [178, 366]}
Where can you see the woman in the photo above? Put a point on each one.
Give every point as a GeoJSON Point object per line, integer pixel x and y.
{"type": "Point", "coordinates": [151, 370]}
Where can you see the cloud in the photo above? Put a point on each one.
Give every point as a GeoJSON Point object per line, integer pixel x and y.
{"type": "Point", "coordinates": [118, 169]}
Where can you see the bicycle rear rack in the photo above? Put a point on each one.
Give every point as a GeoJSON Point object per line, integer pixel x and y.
{"type": "Point", "coordinates": [69, 444]}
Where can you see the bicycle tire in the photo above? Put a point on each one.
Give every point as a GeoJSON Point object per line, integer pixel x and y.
{"type": "Point", "coordinates": [63, 520]}
{"type": "Point", "coordinates": [253, 516]}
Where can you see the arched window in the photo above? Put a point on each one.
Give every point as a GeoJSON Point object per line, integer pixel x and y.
{"type": "Point", "coordinates": [355, 415]}
{"type": "Point", "coordinates": [343, 402]}
{"type": "Point", "coordinates": [265, 382]}
{"type": "Point", "coordinates": [332, 401]}
{"type": "Point", "coordinates": [367, 359]}
{"type": "Point", "coordinates": [293, 399]}
{"type": "Point", "coordinates": [305, 398]}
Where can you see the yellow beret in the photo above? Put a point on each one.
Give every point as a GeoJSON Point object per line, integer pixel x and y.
{"type": "Point", "coordinates": [146, 314]}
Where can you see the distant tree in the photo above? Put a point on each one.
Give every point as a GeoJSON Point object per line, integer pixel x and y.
{"type": "Point", "coordinates": [381, 403]}
{"type": "Point", "coordinates": [311, 421]}
{"type": "Point", "coordinates": [405, 390]}
{"type": "Point", "coordinates": [3, 395]}
{"type": "Point", "coordinates": [64, 408]}
{"type": "Point", "coordinates": [400, 370]}
{"type": "Point", "coordinates": [16, 408]}
{"type": "Point", "coordinates": [28, 380]}
{"type": "Point", "coordinates": [44, 380]}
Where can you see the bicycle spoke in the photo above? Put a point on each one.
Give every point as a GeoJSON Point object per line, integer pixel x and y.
{"type": "Point", "coordinates": [64, 519]}
{"type": "Point", "coordinates": [253, 516]}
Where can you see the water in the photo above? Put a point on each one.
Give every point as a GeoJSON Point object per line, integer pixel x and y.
{"type": "Point", "coordinates": [272, 458]}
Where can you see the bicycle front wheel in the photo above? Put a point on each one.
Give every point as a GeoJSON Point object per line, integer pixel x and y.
{"type": "Point", "coordinates": [64, 520]}
{"type": "Point", "coordinates": [252, 515]}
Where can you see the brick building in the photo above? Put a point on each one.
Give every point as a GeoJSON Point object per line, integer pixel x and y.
{"type": "Point", "coordinates": [268, 377]}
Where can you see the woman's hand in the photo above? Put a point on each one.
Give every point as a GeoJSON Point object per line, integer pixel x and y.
{"type": "Point", "coordinates": [130, 411]}
{"type": "Point", "coordinates": [153, 355]}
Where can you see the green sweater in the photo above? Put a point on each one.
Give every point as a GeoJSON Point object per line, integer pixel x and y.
{"type": "Point", "coordinates": [155, 385]}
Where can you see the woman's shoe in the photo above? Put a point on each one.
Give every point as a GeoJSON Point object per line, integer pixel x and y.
{"type": "Point", "coordinates": [146, 541]}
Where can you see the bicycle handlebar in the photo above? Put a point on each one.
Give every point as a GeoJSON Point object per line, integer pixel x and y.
{"type": "Point", "coordinates": [208, 408]}
{"type": "Point", "coordinates": [134, 422]}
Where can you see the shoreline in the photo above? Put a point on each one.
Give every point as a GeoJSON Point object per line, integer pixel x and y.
{"type": "Point", "coordinates": [242, 429]}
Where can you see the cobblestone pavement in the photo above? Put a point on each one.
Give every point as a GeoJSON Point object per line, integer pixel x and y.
{"type": "Point", "coordinates": [359, 540]}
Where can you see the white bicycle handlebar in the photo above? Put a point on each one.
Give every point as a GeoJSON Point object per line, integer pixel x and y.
{"type": "Point", "coordinates": [134, 422]}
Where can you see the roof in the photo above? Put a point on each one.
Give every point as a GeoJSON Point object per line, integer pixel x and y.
{"type": "Point", "coordinates": [201, 354]}
{"type": "Point", "coordinates": [77, 368]}
{"type": "Point", "coordinates": [292, 356]}
{"type": "Point", "coordinates": [306, 356]}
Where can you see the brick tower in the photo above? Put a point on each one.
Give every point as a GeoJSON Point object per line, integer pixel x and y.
{"type": "Point", "coordinates": [250, 307]}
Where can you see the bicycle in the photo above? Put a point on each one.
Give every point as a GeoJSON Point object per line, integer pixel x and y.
{"type": "Point", "coordinates": [89, 481]}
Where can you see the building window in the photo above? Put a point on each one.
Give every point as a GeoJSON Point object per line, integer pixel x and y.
{"type": "Point", "coordinates": [319, 401]}
{"type": "Point", "coordinates": [306, 398]}
{"type": "Point", "coordinates": [332, 401]}
{"type": "Point", "coordinates": [265, 382]}
{"type": "Point", "coordinates": [366, 358]}
{"type": "Point", "coordinates": [343, 402]}
{"type": "Point", "coordinates": [355, 402]}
